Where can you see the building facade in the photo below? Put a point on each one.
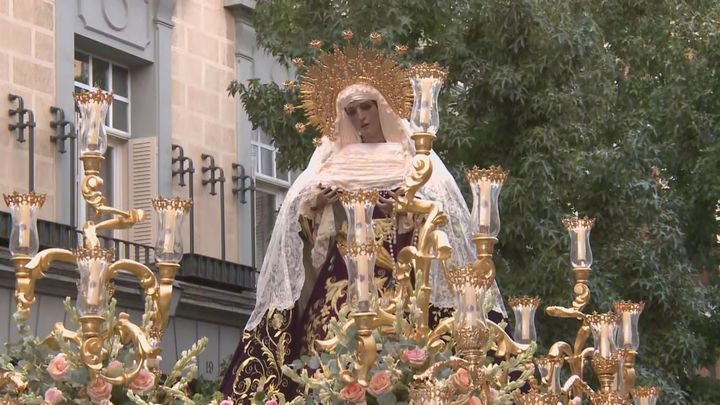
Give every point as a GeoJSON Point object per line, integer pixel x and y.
{"type": "Point", "coordinates": [173, 131]}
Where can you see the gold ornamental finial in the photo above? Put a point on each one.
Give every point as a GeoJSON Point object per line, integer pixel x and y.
{"type": "Point", "coordinates": [575, 222]}
{"type": "Point", "coordinates": [428, 70]}
{"type": "Point", "coordinates": [84, 97]}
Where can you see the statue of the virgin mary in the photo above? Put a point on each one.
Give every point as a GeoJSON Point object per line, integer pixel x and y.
{"type": "Point", "coordinates": [359, 100]}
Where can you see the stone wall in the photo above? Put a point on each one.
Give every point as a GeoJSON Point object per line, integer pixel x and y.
{"type": "Point", "coordinates": [27, 57]}
{"type": "Point", "coordinates": [203, 115]}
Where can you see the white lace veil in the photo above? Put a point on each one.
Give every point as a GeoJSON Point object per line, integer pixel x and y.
{"type": "Point", "coordinates": [282, 274]}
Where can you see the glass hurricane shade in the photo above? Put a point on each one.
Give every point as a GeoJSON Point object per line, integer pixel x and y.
{"type": "Point", "coordinates": [425, 116]}
{"type": "Point", "coordinates": [485, 185]}
{"type": "Point", "coordinates": [359, 249]}
{"type": "Point", "coordinates": [628, 313]}
{"type": "Point", "coordinates": [524, 309]}
{"type": "Point", "coordinates": [645, 395]}
{"type": "Point", "coordinates": [92, 264]}
{"type": "Point", "coordinates": [580, 251]}
{"type": "Point", "coordinates": [24, 238]}
{"type": "Point", "coordinates": [170, 214]}
{"type": "Point", "coordinates": [93, 108]}
{"type": "Point", "coordinates": [469, 292]}
{"type": "Point", "coordinates": [549, 369]}
{"type": "Point", "coordinates": [604, 329]}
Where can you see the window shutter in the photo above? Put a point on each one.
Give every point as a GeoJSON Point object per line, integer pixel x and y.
{"type": "Point", "coordinates": [143, 187]}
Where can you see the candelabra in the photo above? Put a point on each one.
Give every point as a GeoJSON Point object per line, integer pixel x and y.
{"type": "Point", "coordinates": [612, 356]}
{"type": "Point", "coordinates": [95, 264]}
{"type": "Point", "coordinates": [470, 326]}
{"type": "Point", "coordinates": [615, 341]}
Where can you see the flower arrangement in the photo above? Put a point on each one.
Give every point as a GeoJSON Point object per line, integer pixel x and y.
{"type": "Point", "coordinates": [326, 378]}
{"type": "Point", "coordinates": [41, 374]}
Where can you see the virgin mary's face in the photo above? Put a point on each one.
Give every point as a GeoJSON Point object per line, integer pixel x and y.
{"type": "Point", "coordinates": [365, 119]}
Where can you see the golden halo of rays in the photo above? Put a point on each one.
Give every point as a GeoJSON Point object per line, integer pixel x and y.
{"type": "Point", "coordinates": [335, 71]}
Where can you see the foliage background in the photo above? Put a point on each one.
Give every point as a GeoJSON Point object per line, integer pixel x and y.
{"type": "Point", "coordinates": [605, 107]}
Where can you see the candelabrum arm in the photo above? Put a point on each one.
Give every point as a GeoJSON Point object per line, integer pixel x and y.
{"type": "Point", "coordinates": [122, 219]}
{"type": "Point", "coordinates": [435, 340]}
{"type": "Point", "coordinates": [505, 344]}
{"type": "Point", "coordinates": [627, 372]}
{"type": "Point", "coordinates": [574, 384]}
{"type": "Point", "coordinates": [330, 344]}
{"type": "Point", "coordinates": [403, 284]}
{"type": "Point", "coordinates": [581, 338]}
{"type": "Point", "coordinates": [147, 281]}
{"type": "Point", "coordinates": [563, 312]}
{"type": "Point", "coordinates": [14, 379]}
{"type": "Point", "coordinates": [42, 261]}
{"type": "Point", "coordinates": [91, 189]}
{"type": "Point", "coordinates": [560, 349]}
{"type": "Point", "coordinates": [128, 333]}
{"type": "Point", "coordinates": [422, 170]}
{"type": "Point", "coordinates": [59, 330]}
{"type": "Point", "coordinates": [143, 273]}
{"type": "Point", "coordinates": [27, 273]}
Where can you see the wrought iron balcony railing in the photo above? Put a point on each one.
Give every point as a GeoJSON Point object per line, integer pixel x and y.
{"type": "Point", "coordinates": [204, 270]}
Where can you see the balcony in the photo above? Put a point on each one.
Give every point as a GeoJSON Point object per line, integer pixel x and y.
{"type": "Point", "coordinates": [196, 269]}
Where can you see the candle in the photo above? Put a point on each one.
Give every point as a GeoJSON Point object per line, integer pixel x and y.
{"type": "Point", "coordinates": [93, 291]}
{"type": "Point", "coordinates": [24, 225]}
{"type": "Point", "coordinates": [426, 85]}
{"type": "Point", "coordinates": [605, 340]}
{"type": "Point", "coordinates": [581, 245]}
{"type": "Point", "coordinates": [525, 331]}
{"type": "Point", "coordinates": [363, 277]}
{"type": "Point", "coordinates": [169, 243]}
{"type": "Point", "coordinates": [471, 304]}
{"type": "Point", "coordinates": [485, 194]}
{"type": "Point", "coordinates": [627, 329]}
{"type": "Point", "coordinates": [94, 135]}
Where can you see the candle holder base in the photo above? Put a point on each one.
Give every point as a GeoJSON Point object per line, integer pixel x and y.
{"type": "Point", "coordinates": [423, 142]}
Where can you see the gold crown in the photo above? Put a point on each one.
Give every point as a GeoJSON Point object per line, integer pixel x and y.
{"type": "Point", "coordinates": [337, 70]}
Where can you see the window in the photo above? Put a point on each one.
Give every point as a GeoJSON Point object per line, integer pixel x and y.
{"type": "Point", "coordinates": [263, 154]}
{"type": "Point", "coordinates": [271, 185]}
{"type": "Point", "coordinates": [93, 73]}
{"type": "Point", "coordinates": [265, 215]}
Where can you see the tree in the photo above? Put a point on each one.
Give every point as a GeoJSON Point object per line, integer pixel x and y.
{"type": "Point", "coordinates": [607, 108]}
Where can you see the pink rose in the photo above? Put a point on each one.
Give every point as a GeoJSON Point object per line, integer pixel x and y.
{"type": "Point", "coordinates": [99, 390]}
{"type": "Point", "coordinates": [353, 392]}
{"type": "Point", "coordinates": [143, 382]}
{"type": "Point", "coordinates": [415, 357]}
{"type": "Point", "coordinates": [53, 396]}
{"type": "Point", "coordinates": [380, 383]}
{"type": "Point", "coordinates": [226, 402]}
{"type": "Point", "coordinates": [58, 367]}
{"type": "Point", "coordinates": [493, 396]}
{"type": "Point", "coordinates": [474, 401]}
{"type": "Point", "coordinates": [271, 402]}
{"type": "Point", "coordinates": [114, 369]}
{"type": "Point", "coordinates": [461, 380]}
